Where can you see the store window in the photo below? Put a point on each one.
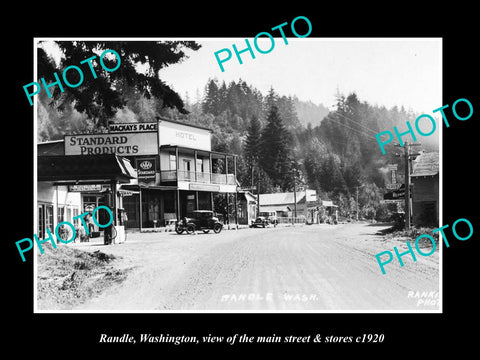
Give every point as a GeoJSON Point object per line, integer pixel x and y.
{"type": "Point", "coordinates": [41, 221]}
{"type": "Point", "coordinates": [68, 215]}
{"type": "Point", "coordinates": [75, 214]}
{"type": "Point", "coordinates": [49, 217]}
{"type": "Point", "coordinates": [60, 214]}
{"type": "Point", "coordinates": [45, 219]}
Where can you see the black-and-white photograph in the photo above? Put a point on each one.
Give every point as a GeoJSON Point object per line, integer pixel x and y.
{"type": "Point", "coordinates": [269, 174]}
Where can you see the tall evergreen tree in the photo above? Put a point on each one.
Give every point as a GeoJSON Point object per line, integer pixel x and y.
{"type": "Point", "coordinates": [251, 146]}
{"type": "Point", "coordinates": [275, 157]}
{"type": "Point", "coordinates": [270, 100]}
{"type": "Point", "coordinates": [286, 109]}
{"type": "Point", "coordinates": [252, 141]}
{"type": "Point", "coordinates": [211, 100]}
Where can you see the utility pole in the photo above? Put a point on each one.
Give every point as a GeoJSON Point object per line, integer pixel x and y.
{"type": "Point", "coordinates": [407, 185]}
{"type": "Point", "coordinates": [294, 199]}
{"type": "Point", "coordinates": [258, 191]}
{"type": "Point", "coordinates": [306, 202]}
{"type": "Point", "coordinates": [357, 203]}
{"type": "Point", "coordinates": [407, 160]}
{"type": "Point", "coordinates": [359, 186]}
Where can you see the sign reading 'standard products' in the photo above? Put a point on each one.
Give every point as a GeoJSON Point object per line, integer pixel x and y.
{"type": "Point", "coordinates": [140, 143]}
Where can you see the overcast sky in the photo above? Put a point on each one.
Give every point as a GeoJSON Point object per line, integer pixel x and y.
{"type": "Point", "coordinates": [381, 71]}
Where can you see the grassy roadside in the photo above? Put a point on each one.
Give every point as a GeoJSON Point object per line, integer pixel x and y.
{"type": "Point", "coordinates": [412, 234]}
{"type": "Point", "coordinates": [66, 277]}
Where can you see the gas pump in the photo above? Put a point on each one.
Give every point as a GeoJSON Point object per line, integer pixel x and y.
{"type": "Point", "coordinates": [120, 228]}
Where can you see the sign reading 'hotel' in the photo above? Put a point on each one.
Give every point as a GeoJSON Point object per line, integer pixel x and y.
{"type": "Point", "coordinates": [171, 133]}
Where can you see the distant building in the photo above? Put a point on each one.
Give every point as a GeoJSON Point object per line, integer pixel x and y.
{"type": "Point", "coordinates": [247, 207]}
{"type": "Point", "coordinates": [425, 189]}
{"type": "Point", "coordinates": [309, 207]}
{"type": "Point", "coordinates": [284, 203]}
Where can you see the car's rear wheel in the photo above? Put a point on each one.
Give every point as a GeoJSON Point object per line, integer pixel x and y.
{"type": "Point", "coordinates": [217, 228]}
{"type": "Point", "coordinates": [190, 229]}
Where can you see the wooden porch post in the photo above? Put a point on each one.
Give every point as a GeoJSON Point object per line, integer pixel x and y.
{"type": "Point", "coordinates": [113, 185]}
{"type": "Point", "coordinates": [140, 206]}
{"type": "Point", "coordinates": [178, 204]}
{"type": "Point", "coordinates": [177, 163]}
{"type": "Point", "coordinates": [236, 190]}
{"type": "Point", "coordinates": [195, 167]}
{"type": "Point", "coordinates": [226, 169]}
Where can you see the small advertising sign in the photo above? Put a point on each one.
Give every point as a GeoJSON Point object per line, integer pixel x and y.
{"type": "Point", "coordinates": [146, 169]}
{"type": "Point", "coordinates": [395, 186]}
{"type": "Point", "coordinates": [85, 188]}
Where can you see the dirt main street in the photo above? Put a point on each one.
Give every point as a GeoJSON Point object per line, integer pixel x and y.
{"type": "Point", "coordinates": [317, 267]}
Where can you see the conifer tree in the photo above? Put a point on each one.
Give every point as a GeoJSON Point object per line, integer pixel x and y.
{"type": "Point", "coordinates": [252, 146]}
{"type": "Point", "coordinates": [252, 141]}
{"type": "Point", "coordinates": [275, 152]}
{"type": "Point", "coordinates": [210, 103]}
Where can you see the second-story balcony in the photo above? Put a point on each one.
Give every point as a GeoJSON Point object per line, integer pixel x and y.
{"type": "Point", "coordinates": [199, 177]}
{"type": "Point", "coordinates": [198, 170]}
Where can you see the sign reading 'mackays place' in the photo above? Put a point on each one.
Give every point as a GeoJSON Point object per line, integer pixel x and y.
{"type": "Point", "coordinates": [132, 127]}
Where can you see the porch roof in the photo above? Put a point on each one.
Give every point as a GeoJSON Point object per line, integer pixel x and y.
{"type": "Point", "coordinates": [80, 168]}
{"type": "Point", "coordinates": [192, 150]}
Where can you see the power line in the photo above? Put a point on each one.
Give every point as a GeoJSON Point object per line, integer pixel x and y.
{"type": "Point", "coordinates": [348, 127]}
{"type": "Point", "coordinates": [373, 132]}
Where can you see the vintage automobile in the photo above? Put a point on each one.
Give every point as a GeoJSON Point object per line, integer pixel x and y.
{"type": "Point", "coordinates": [270, 216]}
{"type": "Point", "coordinates": [260, 221]}
{"type": "Point", "coordinates": [200, 220]}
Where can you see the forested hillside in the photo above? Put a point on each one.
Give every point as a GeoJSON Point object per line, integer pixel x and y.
{"type": "Point", "coordinates": [335, 153]}
{"type": "Point", "coordinates": [279, 139]}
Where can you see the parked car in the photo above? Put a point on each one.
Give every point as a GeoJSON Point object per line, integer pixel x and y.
{"type": "Point", "coordinates": [200, 220]}
{"type": "Point", "coordinates": [260, 221]}
{"type": "Point", "coordinates": [270, 216]}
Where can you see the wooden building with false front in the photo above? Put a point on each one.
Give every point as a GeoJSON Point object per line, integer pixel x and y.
{"type": "Point", "coordinates": [156, 173]}
{"type": "Point", "coordinates": [425, 189]}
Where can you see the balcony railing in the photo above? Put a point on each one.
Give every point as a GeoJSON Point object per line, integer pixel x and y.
{"type": "Point", "coordinates": [200, 177]}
